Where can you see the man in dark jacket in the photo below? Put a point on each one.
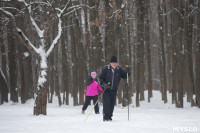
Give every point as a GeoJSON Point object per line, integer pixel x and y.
{"type": "Point", "coordinates": [110, 77]}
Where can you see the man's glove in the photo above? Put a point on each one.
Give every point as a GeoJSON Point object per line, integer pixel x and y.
{"type": "Point", "coordinates": [106, 86]}
{"type": "Point", "coordinates": [127, 69]}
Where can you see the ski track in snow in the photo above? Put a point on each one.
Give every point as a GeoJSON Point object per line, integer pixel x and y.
{"type": "Point", "coordinates": [153, 117]}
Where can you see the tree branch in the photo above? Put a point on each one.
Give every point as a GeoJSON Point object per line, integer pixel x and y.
{"type": "Point", "coordinates": [72, 11]}
{"type": "Point", "coordinates": [39, 32]}
{"type": "Point", "coordinates": [7, 13]}
{"type": "Point", "coordinates": [21, 35]}
{"type": "Point", "coordinates": [27, 42]}
{"type": "Point", "coordinates": [55, 41]}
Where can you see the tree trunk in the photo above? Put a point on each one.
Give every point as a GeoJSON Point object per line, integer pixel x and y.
{"type": "Point", "coordinates": [41, 97]}
{"type": "Point", "coordinates": [189, 76]}
{"type": "Point", "coordinates": [109, 30]}
{"type": "Point", "coordinates": [14, 96]}
{"type": "Point", "coordinates": [13, 72]}
{"type": "Point", "coordinates": [198, 61]}
{"type": "Point", "coordinates": [148, 50]}
{"type": "Point", "coordinates": [140, 47]}
{"type": "Point", "coordinates": [162, 42]}
{"type": "Point", "coordinates": [51, 79]}
{"type": "Point", "coordinates": [26, 75]}
{"type": "Point", "coordinates": [74, 62]}
{"type": "Point", "coordinates": [3, 88]}
{"type": "Point", "coordinates": [174, 53]}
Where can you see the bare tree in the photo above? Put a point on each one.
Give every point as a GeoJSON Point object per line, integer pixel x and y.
{"type": "Point", "coordinates": [43, 51]}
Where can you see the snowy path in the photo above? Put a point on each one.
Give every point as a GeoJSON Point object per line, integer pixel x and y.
{"type": "Point", "coordinates": [154, 117]}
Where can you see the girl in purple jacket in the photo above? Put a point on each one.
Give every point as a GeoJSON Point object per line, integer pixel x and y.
{"type": "Point", "coordinates": [91, 93]}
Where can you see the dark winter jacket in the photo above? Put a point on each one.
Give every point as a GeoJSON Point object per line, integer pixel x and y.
{"type": "Point", "coordinates": [110, 78]}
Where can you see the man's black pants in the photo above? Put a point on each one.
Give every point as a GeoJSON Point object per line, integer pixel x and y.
{"type": "Point", "coordinates": [109, 98]}
{"type": "Point", "coordinates": [87, 102]}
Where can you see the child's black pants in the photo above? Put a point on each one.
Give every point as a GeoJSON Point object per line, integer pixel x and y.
{"type": "Point", "coordinates": [87, 102]}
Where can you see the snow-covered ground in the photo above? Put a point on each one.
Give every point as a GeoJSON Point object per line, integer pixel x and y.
{"type": "Point", "coordinates": [153, 117]}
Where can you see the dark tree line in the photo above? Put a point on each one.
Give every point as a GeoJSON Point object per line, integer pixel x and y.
{"type": "Point", "coordinates": [159, 39]}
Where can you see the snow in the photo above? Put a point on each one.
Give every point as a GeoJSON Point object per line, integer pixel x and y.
{"type": "Point", "coordinates": [43, 56]}
{"type": "Point", "coordinates": [43, 65]}
{"type": "Point", "coordinates": [42, 78]}
{"type": "Point", "coordinates": [153, 117]}
{"type": "Point", "coordinates": [26, 54]}
{"type": "Point", "coordinates": [110, 5]}
{"type": "Point", "coordinates": [123, 4]}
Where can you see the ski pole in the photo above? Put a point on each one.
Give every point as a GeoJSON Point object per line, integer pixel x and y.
{"type": "Point", "coordinates": [94, 105]}
{"type": "Point", "coordinates": [127, 94]}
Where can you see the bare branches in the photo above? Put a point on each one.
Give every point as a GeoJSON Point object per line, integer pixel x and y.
{"type": "Point", "coordinates": [182, 16]}
{"type": "Point", "coordinates": [55, 41]}
{"type": "Point", "coordinates": [42, 33]}
{"type": "Point", "coordinates": [117, 11]}
{"type": "Point", "coordinates": [65, 7]}
{"type": "Point", "coordinates": [27, 42]}
{"type": "Point", "coordinates": [13, 8]}
{"type": "Point", "coordinates": [81, 5]}
{"type": "Point", "coordinates": [7, 13]}
{"type": "Point", "coordinates": [76, 7]}
{"type": "Point", "coordinates": [40, 3]}
{"type": "Point", "coordinates": [72, 11]}
{"type": "Point", "coordinates": [37, 29]}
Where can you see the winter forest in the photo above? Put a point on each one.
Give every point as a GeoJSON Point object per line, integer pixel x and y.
{"type": "Point", "coordinates": [49, 47]}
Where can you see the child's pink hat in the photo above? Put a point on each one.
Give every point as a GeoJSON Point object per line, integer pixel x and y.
{"type": "Point", "coordinates": [93, 73]}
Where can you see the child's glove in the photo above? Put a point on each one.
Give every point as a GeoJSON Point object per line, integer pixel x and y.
{"type": "Point", "coordinates": [90, 78]}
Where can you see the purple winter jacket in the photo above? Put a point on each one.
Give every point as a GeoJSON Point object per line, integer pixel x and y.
{"type": "Point", "coordinates": [92, 89]}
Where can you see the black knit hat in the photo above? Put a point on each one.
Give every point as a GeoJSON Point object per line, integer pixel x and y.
{"type": "Point", "coordinates": [113, 59]}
